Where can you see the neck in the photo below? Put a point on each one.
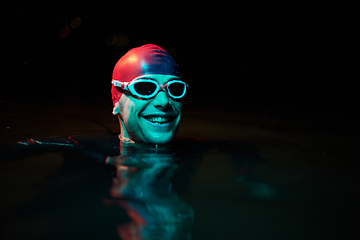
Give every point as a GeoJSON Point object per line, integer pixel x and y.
{"type": "Point", "coordinates": [124, 135]}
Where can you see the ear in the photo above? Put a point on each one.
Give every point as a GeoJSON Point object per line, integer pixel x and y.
{"type": "Point", "coordinates": [116, 109]}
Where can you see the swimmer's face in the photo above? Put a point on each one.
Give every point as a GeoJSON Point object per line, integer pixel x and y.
{"type": "Point", "coordinates": [151, 121]}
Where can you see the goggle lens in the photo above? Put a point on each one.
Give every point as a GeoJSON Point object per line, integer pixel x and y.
{"type": "Point", "coordinates": [176, 89]}
{"type": "Point", "coordinates": [145, 88]}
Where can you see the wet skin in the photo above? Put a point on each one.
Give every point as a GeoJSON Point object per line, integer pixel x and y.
{"type": "Point", "coordinates": [153, 121]}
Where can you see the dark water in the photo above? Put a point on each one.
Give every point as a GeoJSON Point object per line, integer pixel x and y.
{"type": "Point", "coordinates": [278, 185]}
{"type": "Point", "coordinates": [107, 189]}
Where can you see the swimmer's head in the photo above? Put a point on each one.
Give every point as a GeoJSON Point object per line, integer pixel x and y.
{"type": "Point", "coordinates": [146, 92]}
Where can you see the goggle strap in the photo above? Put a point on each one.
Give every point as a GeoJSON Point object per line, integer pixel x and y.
{"type": "Point", "coordinates": [122, 85]}
{"type": "Point", "coordinates": [116, 83]}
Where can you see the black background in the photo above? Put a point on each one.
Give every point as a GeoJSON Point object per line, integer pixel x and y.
{"type": "Point", "coordinates": [288, 59]}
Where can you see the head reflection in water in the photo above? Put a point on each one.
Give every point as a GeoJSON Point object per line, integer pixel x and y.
{"type": "Point", "coordinates": [143, 187]}
{"type": "Point", "coordinates": [146, 92]}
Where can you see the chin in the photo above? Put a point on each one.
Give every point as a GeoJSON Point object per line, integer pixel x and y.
{"type": "Point", "coordinates": [162, 138]}
{"type": "Point", "coordinates": [156, 133]}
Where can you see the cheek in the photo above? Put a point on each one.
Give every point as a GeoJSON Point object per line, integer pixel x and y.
{"type": "Point", "coordinates": [177, 106]}
{"type": "Point", "coordinates": [129, 109]}
{"type": "Point", "coordinates": [126, 109]}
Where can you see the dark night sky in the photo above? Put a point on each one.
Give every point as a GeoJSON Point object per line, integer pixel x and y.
{"type": "Point", "coordinates": [285, 61]}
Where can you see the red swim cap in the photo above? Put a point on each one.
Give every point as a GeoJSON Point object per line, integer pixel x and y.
{"type": "Point", "coordinates": [144, 60]}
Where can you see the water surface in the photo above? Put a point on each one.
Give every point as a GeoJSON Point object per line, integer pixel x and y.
{"type": "Point", "coordinates": [261, 179]}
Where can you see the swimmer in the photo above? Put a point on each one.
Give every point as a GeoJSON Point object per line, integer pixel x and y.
{"type": "Point", "coordinates": [146, 93]}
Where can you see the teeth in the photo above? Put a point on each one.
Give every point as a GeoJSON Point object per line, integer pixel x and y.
{"type": "Point", "coordinates": [158, 119]}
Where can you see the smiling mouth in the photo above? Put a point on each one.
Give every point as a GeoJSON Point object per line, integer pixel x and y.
{"type": "Point", "coordinates": [158, 120]}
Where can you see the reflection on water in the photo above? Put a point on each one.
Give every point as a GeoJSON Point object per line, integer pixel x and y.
{"type": "Point", "coordinates": [110, 190]}
{"type": "Point", "coordinates": [142, 186]}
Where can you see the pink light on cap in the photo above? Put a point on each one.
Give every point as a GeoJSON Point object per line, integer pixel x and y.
{"type": "Point", "coordinates": [144, 60]}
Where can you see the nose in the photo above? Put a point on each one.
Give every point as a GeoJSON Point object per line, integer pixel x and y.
{"type": "Point", "coordinates": [161, 100]}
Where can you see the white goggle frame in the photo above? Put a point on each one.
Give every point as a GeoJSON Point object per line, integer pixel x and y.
{"type": "Point", "coordinates": [130, 86]}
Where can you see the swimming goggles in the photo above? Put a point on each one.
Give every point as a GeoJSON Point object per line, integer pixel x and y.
{"type": "Point", "coordinates": [146, 88]}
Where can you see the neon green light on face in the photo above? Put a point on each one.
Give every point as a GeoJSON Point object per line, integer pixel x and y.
{"type": "Point", "coordinates": [153, 120]}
